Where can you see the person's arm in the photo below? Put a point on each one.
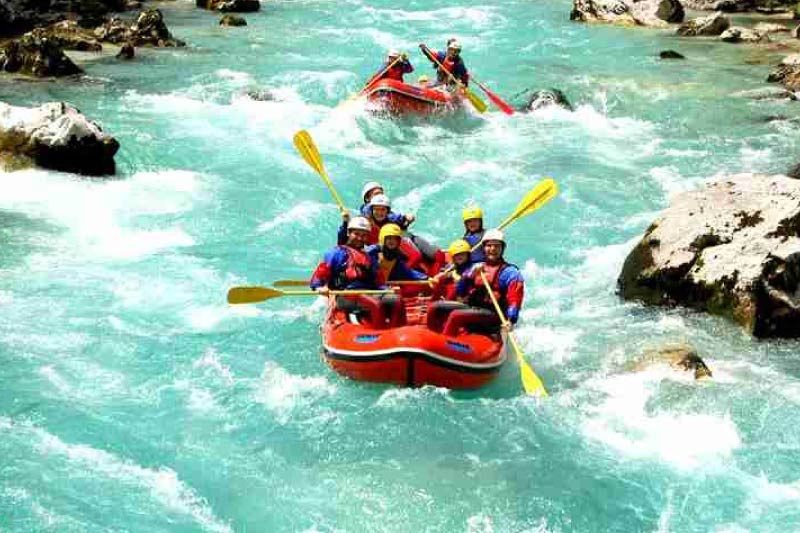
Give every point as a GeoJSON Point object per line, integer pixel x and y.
{"type": "Point", "coordinates": [403, 272]}
{"type": "Point", "coordinates": [324, 272]}
{"type": "Point", "coordinates": [512, 282]}
{"type": "Point", "coordinates": [341, 235]}
{"type": "Point", "coordinates": [465, 285]}
{"type": "Point", "coordinates": [406, 65]}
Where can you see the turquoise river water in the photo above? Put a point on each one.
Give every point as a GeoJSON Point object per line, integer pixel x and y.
{"type": "Point", "coordinates": [133, 398]}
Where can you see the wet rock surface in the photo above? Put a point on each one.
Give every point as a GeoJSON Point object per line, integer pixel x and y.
{"type": "Point", "coordinates": [54, 136]}
{"type": "Point", "coordinates": [34, 54]}
{"type": "Point", "coordinates": [731, 248]}
{"type": "Point", "coordinates": [657, 13]}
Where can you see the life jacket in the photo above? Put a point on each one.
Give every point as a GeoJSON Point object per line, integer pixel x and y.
{"type": "Point", "coordinates": [394, 73]}
{"type": "Point", "coordinates": [385, 266]}
{"type": "Point", "coordinates": [357, 268]}
{"type": "Point", "coordinates": [479, 297]}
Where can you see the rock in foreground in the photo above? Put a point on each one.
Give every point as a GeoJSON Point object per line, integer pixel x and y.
{"type": "Point", "coordinates": [36, 55]}
{"type": "Point", "coordinates": [731, 249]}
{"type": "Point", "coordinates": [628, 12]}
{"type": "Point", "coordinates": [55, 136]}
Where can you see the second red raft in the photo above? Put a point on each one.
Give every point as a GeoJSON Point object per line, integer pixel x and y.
{"type": "Point", "coordinates": [396, 97]}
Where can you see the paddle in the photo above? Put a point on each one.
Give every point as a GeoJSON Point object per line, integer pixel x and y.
{"type": "Point", "coordinates": [474, 99]}
{"type": "Point", "coordinates": [304, 283]}
{"type": "Point", "coordinates": [496, 100]}
{"type": "Point", "coordinates": [545, 191]}
{"type": "Point", "coordinates": [249, 295]}
{"type": "Point", "coordinates": [308, 150]}
{"type": "Point", "coordinates": [530, 381]}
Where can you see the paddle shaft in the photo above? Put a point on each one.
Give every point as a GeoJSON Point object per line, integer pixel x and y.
{"type": "Point", "coordinates": [496, 100]}
{"type": "Point", "coordinates": [378, 76]}
{"type": "Point", "coordinates": [432, 56]}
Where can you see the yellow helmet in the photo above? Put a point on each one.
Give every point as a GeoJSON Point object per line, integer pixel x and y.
{"type": "Point", "coordinates": [459, 247]}
{"type": "Point", "coordinates": [389, 230]}
{"type": "Point", "coordinates": [471, 212]}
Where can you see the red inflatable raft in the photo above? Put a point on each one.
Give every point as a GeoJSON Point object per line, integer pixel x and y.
{"type": "Point", "coordinates": [412, 342]}
{"type": "Point", "coordinates": [396, 97]}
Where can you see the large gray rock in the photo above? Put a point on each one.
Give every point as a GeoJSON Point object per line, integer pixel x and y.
{"type": "Point", "coordinates": [36, 55]}
{"type": "Point", "coordinates": [739, 34]}
{"type": "Point", "coordinates": [149, 29]}
{"type": "Point", "coordinates": [787, 73]}
{"type": "Point", "coordinates": [731, 248]}
{"type": "Point", "coordinates": [545, 98]}
{"type": "Point", "coordinates": [628, 12]}
{"type": "Point", "coordinates": [55, 136]}
{"type": "Point", "coordinates": [707, 26]}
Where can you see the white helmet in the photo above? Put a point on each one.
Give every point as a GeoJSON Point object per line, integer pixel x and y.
{"type": "Point", "coordinates": [381, 200]}
{"type": "Point", "coordinates": [494, 235]}
{"type": "Point", "coordinates": [454, 44]}
{"type": "Point", "coordinates": [393, 53]}
{"type": "Point", "coordinates": [370, 185]}
{"type": "Point", "coordinates": [359, 223]}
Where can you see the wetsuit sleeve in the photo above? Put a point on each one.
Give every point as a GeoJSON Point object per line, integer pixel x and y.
{"type": "Point", "coordinates": [512, 283]}
{"type": "Point", "coordinates": [324, 271]}
{"type": "Point", "coordinates": [402, 272]}
{"type": "Point", "coordinates": [397, 218]}
{"type": "Point", "coordinates": [407, 67]}
{"type": "Point", "coordinates": [341, 235]}
{"type": "Point", "coordinates": [466, 283]}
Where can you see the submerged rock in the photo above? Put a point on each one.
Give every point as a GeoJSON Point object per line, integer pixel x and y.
{"type": "Point", "coordinates": [738, 34]}
{"type": "Point", "coordinates": [770, 27]}
{"type": "Point", "coordinates": [236, 6]}
{"type": "Point", "coordinates": [232, 20]}
{"type": "Point", "coordinates": [546, 98]}
{"type": "Point", "coordinates": [787, 73]}
{"type": "Point", "coordinates": [126, 52]}
{"type": "Point", "coordinates": [260, 95]}
{"type": "Point", "coordinates": [670, 54]}
{"type": "Point", "coordinates": [682, 357]}
{"type": "Point", "coordinates": [36, 55]}
{"type": "Point", "coordinates": [731, 248]}
{"type": "Point", "coordinates": [148, 30]}
{"type": "Point", "coordinates": [55, 136]}
{"type": "Point", "coordinates": [707, 26]}
{"type": "Point", "coordinates": [628, 12]}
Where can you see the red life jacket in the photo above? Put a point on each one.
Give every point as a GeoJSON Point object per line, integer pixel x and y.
{"type": "Point", "coordinates": [479, 297]}
{"type": "Point", "coordinates": [394, 73]}
{"type": "Point", "coordinates": [357, 268]}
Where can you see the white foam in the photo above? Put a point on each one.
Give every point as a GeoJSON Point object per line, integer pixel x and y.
{"type": "Point", "coordinates": [240, 78]}
{"type": "Point", "coordinates": [283, 393]}
{"type": "Point", "coordinates": [475, 16]}
{"type": "Point", "coordinates": [210, 360]}
{"type": "Point", "coordinates": [480, 523]}
{"type": "Point", "coordinates": [304, 214]}
{"type": "Point", "coordinates": [622, 421]}
{"type": "Point", "coordinates": [398, 398]}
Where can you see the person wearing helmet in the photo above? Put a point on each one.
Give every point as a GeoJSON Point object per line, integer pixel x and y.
{"type": "Point", "coordinates": [505, 279]}
{"type": "Point", "coordinates": [347, 266]}
{"type": "Point", "coordinates": [446, 280]}
{"type": "Point", "coordinates": [380, 214]}
{"type": "Point", "coordinates": [370, 189]}
{"type": "Point", "coordinates": [388, 261]}
{"type": "Point", "coordinates": [472, 216]}
{"type": "Point", "coordinates": [451, 60]}
{"type": "Point", "coordinates": [395, 67]}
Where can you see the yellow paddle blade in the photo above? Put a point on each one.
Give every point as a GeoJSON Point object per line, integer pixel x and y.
{"type": "Point", "coordinates": [250, 295]}
{"type": "Point", "coordinates": [545, 191]}
{"type": "Point", "coordinates": [479, 105]}
{"type": "Point", "coordinates": [308, 150]}
{"type": "Point", "coordinates": [530, 381]}
{"type": "Point", "coordinates": [290, 283]}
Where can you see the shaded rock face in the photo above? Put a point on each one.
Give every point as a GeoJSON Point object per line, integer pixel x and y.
{"type": "Point", "coordinates": [55, 136]}
{"type": "Point", "coordinates": [709, 26]}
{"type": "Point", "coordinates": [628, 12]}
{"type": "Point", "coordinates": [148, 30]}
{"type": "Point", "coordinates": [19, 16]}
{"type": "Point", "coordinates": [235, 6]}
{"type": "Point", "coordinates": [232, 20]}
{"type": "Point", "coordinates": [670, 54]}
{"type": "Point", "coordinates": [731, 249]}
{"type": "Point", "coordinates": [787, 73]}
{"type": "Point", "coordinates": [38, 56]}
{"type": "Point", "coordinates": [545, 98]}
{"type": "Point", "coordinates": [126, 52]}
{"type": "Point", "coordinates": [69, 35]}
{"type": "Point", "coordinates": [680, 356]}
{"type": "Point", "coordinates": [738, 34]}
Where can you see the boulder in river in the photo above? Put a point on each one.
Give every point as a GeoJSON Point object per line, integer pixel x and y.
{"type": "Point", "coordinates": [235, 6]}
{"type": "Point", "coordinates": [739, 34]}
{"type": "Point", "coordinates": [628, 12]}
{"type": "Point", "coordinates": [679, 356]}
{"type": "Point", "coordinates": [731, 248]}
{"type": "Point", "coordinates": [148, 30]}
{"type": "Point", "coordinates": [69, 35]}
{"type": "Point", "coordinates": [127, 51]}
{"type": "Point", "coordinates": [36, 55]}
{"type": "Point", "coordinates": [705, 26]}
{"type": "Point", "coordinates": [55, 136]}
{"type": "Point", "coordinates": [232, 20]}
{"type": "Point", "coordinates": [787, 73]}
{"type": "Point", "coordinates": [19, 16]}
{"type": "Point", "coordinates": [545, 98]}
{"type": "Point", "coordinates": [670, 54]}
